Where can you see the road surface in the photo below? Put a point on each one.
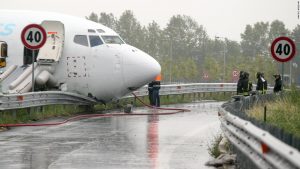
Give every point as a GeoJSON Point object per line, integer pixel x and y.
{"type": "Point", "coordinates": [178, 141]}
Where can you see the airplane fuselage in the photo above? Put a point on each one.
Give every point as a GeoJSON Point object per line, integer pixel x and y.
{"type": "Point", "coordinates": [95, 60]}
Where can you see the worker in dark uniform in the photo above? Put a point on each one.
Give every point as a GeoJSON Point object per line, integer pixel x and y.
{"type": "Point", "coordinates": [150, 93]}
{"type": "Point", "coordinates": [246, 84]}
{"type": "Point", "coordinates": [239, 89]}
{"type": "Point", "coordinates": [156, 87]}
{"type": "Point", "coordinates": [278, 83]}
{"type": "Point", "coordinates": [262, 84]}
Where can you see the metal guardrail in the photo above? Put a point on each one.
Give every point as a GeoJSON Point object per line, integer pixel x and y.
{"type": "Point", "coordinates": [176, 89]}
{"type": "Point", "coordinates": [263, 149]}
{"type": "Point", "coordinates": [32, 99]}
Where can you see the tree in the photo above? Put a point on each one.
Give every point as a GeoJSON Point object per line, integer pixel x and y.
{"type": "Point", "coordinates": [153, 39]}
{"type": "Point", "coordinates": [233, 48]}
{"type": "Point", "coordinates": [296, 34]}
{"type": "Point", "coordinates": [131, 30]}
{"type": "Point", "coordinates": [255, 39]}
{"type": "Point", "coordinates": [93, 17]}
{"type": "Point", "coordinates": [296, 37]}
{"type": "Point", "coordinates": [213, 68]}
{"type": "Point", "coordinates": [185, 36]}
{"type": "Point", "coordinates": [108, 20]}
{"type": "Point", "coordinates": [277, 28]}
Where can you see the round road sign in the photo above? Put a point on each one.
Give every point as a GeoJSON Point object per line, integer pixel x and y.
{"type": "Point", "coordinates": [283, 49]}
{"type": "Point", "coordinates": [235, 73]}
{"type": "Point", "coordinates": [33, 36]}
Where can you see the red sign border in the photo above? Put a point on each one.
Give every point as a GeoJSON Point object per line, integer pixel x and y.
{"type": "Point", "coordinates": [293, 49]}
{"type": "Point", "coordinates": [33, 26]}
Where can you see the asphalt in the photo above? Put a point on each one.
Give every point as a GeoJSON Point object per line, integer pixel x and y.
{"type": "Point", "coordinates": [178, 141]}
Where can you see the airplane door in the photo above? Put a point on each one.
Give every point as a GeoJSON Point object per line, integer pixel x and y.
{"type": "Point", "coordinates": [52, 50]}
{"type": "Point", "coordinates": [3, 54]}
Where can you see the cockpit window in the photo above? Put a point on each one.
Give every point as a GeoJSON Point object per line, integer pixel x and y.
{"type": "Point", "coordinates": [112, 39]}
{"type": "Point", "coordinates": [100, 31]}
{"type": "Point", "coordinates": [81, 40]}
{"type": "Point", "coordinates": [91, 31]}
{"type": "Point", "coordinates": [95, 40]}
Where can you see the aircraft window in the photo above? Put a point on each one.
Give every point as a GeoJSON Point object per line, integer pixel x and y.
{"type": "Point", "coordinates": [95, 40]}
{"type": "Point", "coordinates": [100, 31]}
{"type": "Point", "coordinates": [112, 39]}
{"type": "Point", "coordinates": [91, 31]}
{"type": "Point", "coordinates": [81, 40]}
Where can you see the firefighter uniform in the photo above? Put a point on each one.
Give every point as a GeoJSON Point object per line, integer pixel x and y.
{"type": "Point", "coordinates": [239, 89]}
{"type": "Point", "coordinates": [155, 94]}
{"type": "Point", "coordinates": [150, 93]}
{"type": "Point", "coordinates": [246, 84]}
{"type": "Point", "coordinates": [262, 84]}
{"type": "Point", "coordinates": [278, 83]}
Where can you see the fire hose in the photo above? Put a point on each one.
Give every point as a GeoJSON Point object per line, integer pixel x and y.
{"type": "Point", "coordinates": [79, 117]}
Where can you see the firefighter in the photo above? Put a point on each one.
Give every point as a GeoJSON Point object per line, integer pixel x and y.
{"type": "Point", "coordinates": [262, 84]}
{"type": "Point", "coordinates": [150, 93]}
{"type": "Point", "coordinates": [156, 87]}
{"type": "Point", "coordinates": [239, 83]}
{"type": "Point", "coordinates": [246, 84]}
{"type": "Point", "coordinates": [278, 83]}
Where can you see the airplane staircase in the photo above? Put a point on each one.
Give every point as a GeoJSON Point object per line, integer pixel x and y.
{"type": "Point", "coordinates": [16, 83]}
{"type": "Point", "coordinates": [19, 79]}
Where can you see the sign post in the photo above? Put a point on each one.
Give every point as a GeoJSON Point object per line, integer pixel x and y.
{"type": "Point", "coordinates": [283, 49]}
{"type": "Point", "coordinates": [33, 37]}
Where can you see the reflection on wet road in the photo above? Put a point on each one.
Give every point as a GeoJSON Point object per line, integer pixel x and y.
{"type": "Point", "coordinates": [176, 141]}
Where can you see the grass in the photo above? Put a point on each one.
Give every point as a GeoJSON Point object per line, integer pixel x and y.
{"type": "Point", "coordinates": [213, 149]}
{"type": "Point", "coordinates": [37, 113]}
{"type": "Point", "coordinates": [283, 112]}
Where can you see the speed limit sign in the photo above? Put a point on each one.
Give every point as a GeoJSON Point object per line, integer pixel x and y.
{"type": "Point", "coordinates": [33, 36]}
{"type": "Point", "coordinates": [283, 49]}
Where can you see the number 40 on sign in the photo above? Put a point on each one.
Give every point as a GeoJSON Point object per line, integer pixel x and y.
{"type": "Point", "coordinates": [283, 49]}
{"type": "Point", "coordinates": [33, 36]}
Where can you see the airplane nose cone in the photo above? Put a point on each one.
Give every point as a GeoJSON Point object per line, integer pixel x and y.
{"type": "Point", "coordinates": [139, 69]}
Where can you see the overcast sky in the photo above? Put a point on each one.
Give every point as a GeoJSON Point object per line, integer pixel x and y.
{"type": "Point", "coordinates": [226, 18]}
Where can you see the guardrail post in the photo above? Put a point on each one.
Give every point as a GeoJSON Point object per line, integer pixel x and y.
{"type": "Point", "coordinates": [265, 113]}
{"type": "Point", "coordinates": [55, 107]}
{"type": "Point", "coordinates": [134, 101]}
{"type": "Point", "coordinates": [28, 110]}
{"type": "Point", "coordinates": [14, 113]}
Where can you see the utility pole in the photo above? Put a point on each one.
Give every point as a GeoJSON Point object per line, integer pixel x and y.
{"type": "Point", "coordinates": [171, 59]}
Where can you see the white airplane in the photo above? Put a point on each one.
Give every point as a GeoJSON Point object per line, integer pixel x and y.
{"type": "Point", "coordinates": [79, 56]}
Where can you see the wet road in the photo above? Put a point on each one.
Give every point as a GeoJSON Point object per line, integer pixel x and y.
{"type": "Point", "coordinates": [178, 141]}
